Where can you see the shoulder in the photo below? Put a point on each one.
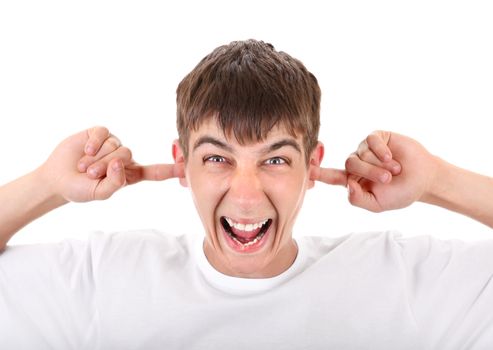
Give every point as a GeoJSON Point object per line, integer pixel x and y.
{"type": "Point", "coordinates": [368, 241]}
{"type": "Point", "coordinates": [417, 248]}
{"type": "Point", "coordinates": [467, 259]}
{"type": "Point", "coordinates": [138, 238]}
{"type": "Point", "coordinates": [424, 259]}
{"type": "Point", "coordinates": [140, 244]}
{"type": "Point", "coordinates": [99, 249]}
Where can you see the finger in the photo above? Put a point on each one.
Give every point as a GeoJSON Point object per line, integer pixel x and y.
{"type": "Point", "coordinates": [159, 172]}
{"type": "Point", "coordinates": [95, 139]}
{"type": "Point", "coordinates": [356, 166]}
{"type": "Point", "coordinates": [377, 142]}
{"type": "Point", "coordinates": [99, 168]}
{"type": "Point", "coordinates": [369, 157]}
{"type": "Point", "coordinates": [360, 198]}
{"type": "Point", "coordinates": [330, 176]}
{"type": "Point", "coordinates": [110, 144]}
{"type": "Point", "coordinates": [114, 180]}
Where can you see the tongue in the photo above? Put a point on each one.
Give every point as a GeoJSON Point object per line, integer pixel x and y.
{"type": "Point", "coordinates": [245, 237]}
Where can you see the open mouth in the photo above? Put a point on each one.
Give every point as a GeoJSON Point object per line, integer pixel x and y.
{"type": "Point", "coordinates": [245, 235]}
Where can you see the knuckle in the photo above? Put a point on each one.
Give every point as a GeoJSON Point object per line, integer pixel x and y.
{"type": "Point", "coordinates": [373, 139]}
{"type": "Point", "coordinates": [366, 154]}
{"type": "Point", "coordinates": [126, 152]}
{"type": "Point", "coordinates": [377, 133]}
{"type": "Point", "coordinates": [113, 143]}
{"type": "Point", "coordinates": [98, 130]}
{"type": "Point", "coordinates": [362, 145]}
{"type": "Point", "coordinates": [382, 136]}
{"type": "Point", "coordinates": [349, 163]}
{"type": "Point", "coordinates": [102, 130]}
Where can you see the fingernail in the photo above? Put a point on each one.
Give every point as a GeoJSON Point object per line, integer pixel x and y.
{"type": "Point", "coordinates": [350, 189]}
{"type": "Point", "coordinates": [387, 157]}
{"type": "Point", "coordinates": [396, 168]}
{"type": "Point", "coordinates": [89, 149]}
{"type": "Point", "coordinates": [384, 177]}
{"type": "Point", "coordinates": [82, 166]}
{"type": "Point", "coordinates": [117, 166]}
{"type": "Point", "coordinates": [93, 172]}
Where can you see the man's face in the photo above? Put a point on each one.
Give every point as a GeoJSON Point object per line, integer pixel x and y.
{"type": "Point", "coordinates": [248, 197]}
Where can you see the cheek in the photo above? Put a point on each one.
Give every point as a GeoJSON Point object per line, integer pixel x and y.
{"type": "Point", "coordinates": [286, 193]}
{"type": "Point", "coordinates": [207, 190]}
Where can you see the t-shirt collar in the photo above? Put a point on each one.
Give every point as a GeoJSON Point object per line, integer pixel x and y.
{"type": "Point", "coordinates": [244, 286]}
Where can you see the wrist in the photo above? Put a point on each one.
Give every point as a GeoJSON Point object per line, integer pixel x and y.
{"type": "Point", "coordinates": [46, 187]}
{"type": "Point", "coordinates": [436, 185]}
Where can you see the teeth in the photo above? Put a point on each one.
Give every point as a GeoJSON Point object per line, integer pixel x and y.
{"type": "Point", "coordinates": [244, 245]}
{"type": "Point", "coordinates": [247, 227]}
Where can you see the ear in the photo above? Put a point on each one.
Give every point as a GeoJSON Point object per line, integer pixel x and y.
{"type": "Point", "coordinates": [179, 158]}
{"type": "Point", "coordinates": [315, 160]}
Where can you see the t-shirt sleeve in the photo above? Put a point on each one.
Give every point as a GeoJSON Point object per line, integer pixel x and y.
{"type": "Point", "coordinates": [47, 295]}
{"type": "Point", "coordinates": [450, 290]}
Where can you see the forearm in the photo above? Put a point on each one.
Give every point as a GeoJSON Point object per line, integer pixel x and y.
{"type": "Point", "coordinates": [462, 191]}
{"type": "Point", "coordinates": [22, 201]}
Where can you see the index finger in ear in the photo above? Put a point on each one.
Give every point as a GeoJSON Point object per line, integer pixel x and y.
{"type": "Point", "coordinates": [330, 176]}
{"type": "Point", "coordinates": [95, 139]}
{"type": "Point", "coordinates": [158, 172]}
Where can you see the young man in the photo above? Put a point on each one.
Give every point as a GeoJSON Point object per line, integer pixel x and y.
{"type": "Point", "coordinates": [248, 121]}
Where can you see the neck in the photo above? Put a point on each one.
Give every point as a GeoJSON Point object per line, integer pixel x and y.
{"type": "Point", "coordinates": [253, 266]}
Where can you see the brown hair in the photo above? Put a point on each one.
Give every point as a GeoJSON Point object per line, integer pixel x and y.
{"type": "Point", "coordinates": [249, 87]}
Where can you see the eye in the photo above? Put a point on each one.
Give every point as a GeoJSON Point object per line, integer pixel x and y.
{"type": "Point", "coordinates": [215, 159]}
{"type": "Point", "coordinates": [276, 161]}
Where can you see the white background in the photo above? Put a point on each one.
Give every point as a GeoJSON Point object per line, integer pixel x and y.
{"type": "Point", "coordinates": [422, 68]}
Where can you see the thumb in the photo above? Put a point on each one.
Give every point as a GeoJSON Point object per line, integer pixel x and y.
{"type": "Point", "coordinates": [358, 197]}
{"type": "Point", "coordinates": [329, 176]}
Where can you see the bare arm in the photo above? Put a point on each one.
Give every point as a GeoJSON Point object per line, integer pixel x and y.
{"type": "Point", "coordinates": [90, 165]}
{"type": "Point", "coordinates": [24, 200]}
{"type": "Point", "coordinates": [462, 191]}
{"type": "Point", "coordinates": [391, 171]}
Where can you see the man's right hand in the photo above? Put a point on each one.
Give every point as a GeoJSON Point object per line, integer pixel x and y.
{"type": "Point", "coordinates": [89, 165]}
{"type": "Point", "coordinates": [92, 165]}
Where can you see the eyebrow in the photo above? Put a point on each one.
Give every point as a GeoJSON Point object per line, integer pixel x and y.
{"type": "Point", "coordinates": [280, 144]}
{"type": "Point", "coordinates": [270, 148]}
{"type": "Point", "coordinates": [209, 139]}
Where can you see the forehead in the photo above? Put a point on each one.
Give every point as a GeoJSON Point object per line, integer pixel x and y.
{"type": "Point", "coordinates": [211, 127]}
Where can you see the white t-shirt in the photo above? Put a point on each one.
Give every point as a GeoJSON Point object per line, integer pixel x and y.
{"type": "Point", "coordinates": [149, 290]}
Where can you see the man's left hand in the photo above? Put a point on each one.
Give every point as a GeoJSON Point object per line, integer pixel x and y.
{"type": "Point", "coordinates": [389, 171]}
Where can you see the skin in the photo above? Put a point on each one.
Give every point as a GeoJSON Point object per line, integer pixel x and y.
{"type": "Point", "coordinates": [413, 174]}
{"type": "Point", "coordinates": [249, 183]}
{"type": "Point", "coordinates": [387, 171]}
{"type": "Point", "coordinates": [90, 165]}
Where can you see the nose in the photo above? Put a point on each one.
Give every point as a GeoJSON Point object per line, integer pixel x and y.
{"type": "Point", "coordinates": [246, 190]}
